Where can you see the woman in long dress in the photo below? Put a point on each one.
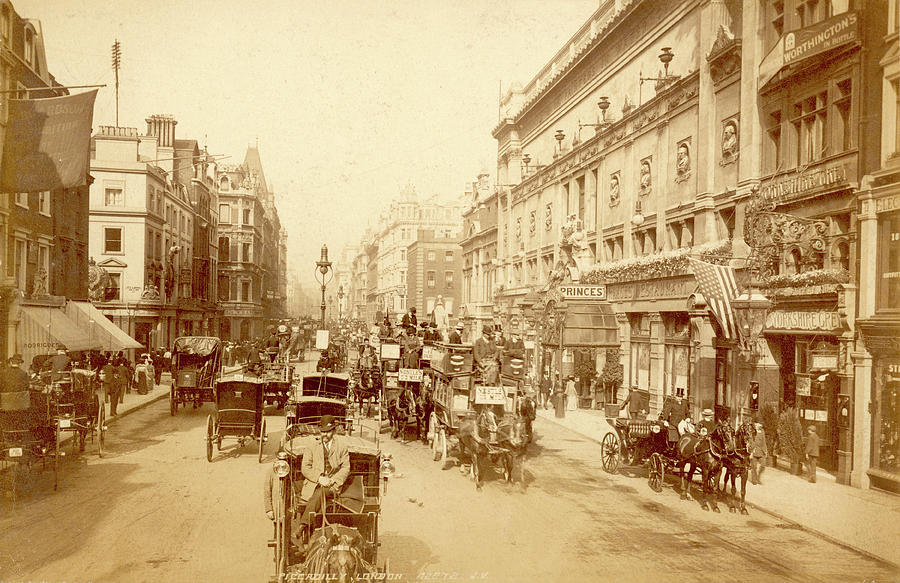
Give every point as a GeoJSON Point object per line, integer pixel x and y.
{"type": "Point", "coordinates": [571, 395]}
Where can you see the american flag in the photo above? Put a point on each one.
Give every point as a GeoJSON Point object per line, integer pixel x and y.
{"type": "Point", "coordinates": [718, 286]}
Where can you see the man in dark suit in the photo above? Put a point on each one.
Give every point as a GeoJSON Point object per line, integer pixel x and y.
{"type": "Point", "coordinates": [409, 318]}
{"type": "Point", "coordinates": [15, 380]}
{"type": "Point", "coordinates": [812, 452]}
{"type": "Point", "coordinates": [633, 403]}
{"type": "Point", "coordinates": [456, 335]}
{"type": "Point", "coordinates": [484, 353]}
{"type": "Point", "coordinates": [326, 466]}
{"type": "Point", "coordinates": [59, 362]}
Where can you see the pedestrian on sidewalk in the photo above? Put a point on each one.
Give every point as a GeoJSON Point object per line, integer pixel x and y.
{"type": "Point", "coordinates": [758, 453]}
{"type": "Point", "coordinates": [571, 395]}
{"type": "Point", "coordinates": [812, 453]}
{"type": "Point", "coordinates": [109, 375]}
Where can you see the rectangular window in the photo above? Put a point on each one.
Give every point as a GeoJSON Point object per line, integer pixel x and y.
{"type": "Point", "coordinates": [723, 383]}
{"type": "Point", "coordinates": [20, 266]}
{"type": "Point", "coordinates": [448, 279]}
{"type": "Point", "coordinates": [114, 291]}
{"type": "Point", "coordinates": [245, 252]}
{"type": "Point", "coordinates": [843, 132]}
{"type": "Point", "coordinates": [403, 278]}
{"type": "Point", "coordinates": [772, 150]}
{"type": "Point", "coordinates": [245, 291]}
{"type": "Point", "coordinates": [448, 256]}
{"type": "Point", "coordinates": [776, 21]}
{"type": "Point", "coordinates": [44, 203]}
{"type": "Point", "coordinates": [223, 288]}
{"type": "Point", "coordinates": [246, 216]}
{"type": "Point", "coordinates": [889, 270]}
{"type": "Point", "coordinates": [22, 199]}
{"type": "Point", "coordinates": [224, 249]}
{"type": "Point", "coordinates": [44, 258]}
{"type": "Point", "coordinates": [403, 255]}
{"type": "Point", "coordinates": [112, 240]}
{"type": "Point", "coordinates": [809, 120]}
{"type": "Point", "coordinates": [640, 351]}
{"type": "Point", "coordinates": [810, 12]}
{"type": "Point", "coordinates": [430, 279]}
{"type": "Point", "coordinates": [432, 256]}
{"type": "Point", "coordinates": [113, 197]}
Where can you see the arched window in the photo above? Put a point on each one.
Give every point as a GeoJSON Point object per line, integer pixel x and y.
{"type": "Point", "coordinates": [224, 184]}
{"type": "Point", "coordinates": [792, 262]}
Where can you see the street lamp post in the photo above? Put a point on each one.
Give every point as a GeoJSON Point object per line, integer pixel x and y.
{"type": "Point", "coordinates": [323, 268]}
{"type": "Point", "coordinates": [340, 296]}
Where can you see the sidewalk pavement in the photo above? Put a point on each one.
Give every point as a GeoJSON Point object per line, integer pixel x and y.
{"type": "Point", "coordinates": [867, 521]}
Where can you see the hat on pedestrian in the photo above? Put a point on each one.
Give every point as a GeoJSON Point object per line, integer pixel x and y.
{"type": "Point", "coordinates": [326, 423]}
{"type": "Point", "coordinates": [811, 429]}
{"type": "Point", "coordinates": [61, 347]}
{"type": "Point", "coordinates": [16, 358]}
{"type": "Point", "coordinates": [460, 325]}
{"type": "Point", "coordinates": [707, 413]}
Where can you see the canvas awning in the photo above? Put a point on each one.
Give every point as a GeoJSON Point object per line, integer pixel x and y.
{"type": "Point", "coordinates": [111, 337]}
{"type": "Point", "coordinates": [41, 328]}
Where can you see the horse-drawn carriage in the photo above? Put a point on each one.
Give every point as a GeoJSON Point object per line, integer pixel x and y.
{"type": "Point", "coordinates": [239, 413]}
{"type": "Point", "coordinates": [658, 443]}
{"type": "Point", "coordinates": [315, 396]}
{"type": "Point", "coordinates": [342, 537]}
{"type": "Point", "coordinates": [196, 365]}
{"type": "Point", "coordinates": [33, 422]}
{"type": "Point", "coordinates": [277, 376]}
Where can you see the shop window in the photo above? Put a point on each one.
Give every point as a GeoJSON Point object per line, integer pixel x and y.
{"type": "Point", "coordinates": [112, 240]}
{"type": "Point", "coordinates": [723, 382]}
{"type": "Point", "coordinates": [677, 365]}
{"type": "Point", "coordinates": [886, 421]}
{"type": "Point", "coordinates": [640, 351]}
{"type": "Point", "coordinates": [889, 270]}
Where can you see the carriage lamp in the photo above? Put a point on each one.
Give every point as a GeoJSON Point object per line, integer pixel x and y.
{"type": "Point", "coordinates": [281, 466]}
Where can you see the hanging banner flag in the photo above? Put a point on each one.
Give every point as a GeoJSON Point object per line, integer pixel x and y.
{"type": "Point", "coordinates": [47, 143]}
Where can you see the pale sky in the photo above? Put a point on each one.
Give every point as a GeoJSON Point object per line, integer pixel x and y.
{"type": "Point", "coordinates": [349, 100]}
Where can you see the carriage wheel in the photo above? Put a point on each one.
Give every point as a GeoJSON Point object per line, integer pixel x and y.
{"type": "Point", "coordinates": [210, 436]}
{"type": "Point", "coordinates": [657, 473]}
{"type": "Point", "coordinates": [219, 443]}
{"type": "Point", "coordinates": [262, 441]}
{"type": "Point", "coordinates": [101, 421]}
{"type": "Point", "coordinates": [609, 452]}
{"type": "Point", "coordinates": [55, 458]}
{"type": "Point", "coordinates": [440, 447]}
{"type": "Point", "coordinates": [173, 402]}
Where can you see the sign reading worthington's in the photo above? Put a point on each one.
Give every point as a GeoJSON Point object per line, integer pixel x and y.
{"type": "Point", "coordinates": [48, 143]}
{"type": "Point", "coordinates": [820, 37]}
{"type": "Point", "coordinates": [807, 321]}
{"type": "Point", "coordinates": [582, 292]}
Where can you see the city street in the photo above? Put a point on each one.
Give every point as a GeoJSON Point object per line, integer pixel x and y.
{"type": "Point", "coordinates": [154, 510]}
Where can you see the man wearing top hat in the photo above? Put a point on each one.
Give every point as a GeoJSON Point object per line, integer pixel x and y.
{"type": "Point", "coordinates": [326, 466]}
{"type": "Point", "coordinates": [15, 380]}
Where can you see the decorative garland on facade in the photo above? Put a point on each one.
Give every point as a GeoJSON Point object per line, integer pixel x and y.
{"type": "Point", "coordinates": [658, 265]}
{"type": "Point", "coordinates": [809, 278]}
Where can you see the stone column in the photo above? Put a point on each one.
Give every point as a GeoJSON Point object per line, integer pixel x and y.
{"type": "Point", "coordinates": [624, 355]}
{"type": "Point", "coordinates": [861, 429]}
{"type": "Point", "coordinates": [657, 361]}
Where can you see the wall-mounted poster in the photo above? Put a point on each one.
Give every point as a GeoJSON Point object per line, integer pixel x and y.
{"type": "Point", "coordinates": [803, 385]}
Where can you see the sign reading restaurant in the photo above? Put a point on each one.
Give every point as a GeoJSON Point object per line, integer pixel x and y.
{"type": "Point", "coordinates": [582, 292]}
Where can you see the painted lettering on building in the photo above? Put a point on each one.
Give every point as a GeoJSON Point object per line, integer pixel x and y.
{"type": "Point", "coordinates": [888, 203]}
{"type": "Point", "coordinates": [655, 289]}
{"type": "Point", "coordinates": [801, 185]}
{"type": "Point", "coordinates": [590, 292]}
{"type": "Point", "coordinates": [812, 321]}
{"type": "Point", "coordinates": [820, 37]}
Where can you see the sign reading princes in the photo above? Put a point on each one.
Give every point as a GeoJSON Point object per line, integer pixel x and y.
{"type": "Point", "coordinates": [583, 292]}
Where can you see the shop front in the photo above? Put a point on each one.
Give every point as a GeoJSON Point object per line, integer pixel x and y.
{"type": "Point", "coordinates": [882, 340]}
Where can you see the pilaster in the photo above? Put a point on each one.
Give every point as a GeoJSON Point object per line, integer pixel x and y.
{"type": "Point", "coordinates": [861, 428]}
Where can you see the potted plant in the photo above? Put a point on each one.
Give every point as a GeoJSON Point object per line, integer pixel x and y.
{"type": "Point", "coordinates": [585, 371]}
{"type": "Point", "coordinates": [611, 377]}
{"type": "Point", "coordinates": [769, 420]}
{"type": "Point", "coordinates": [790, 437]}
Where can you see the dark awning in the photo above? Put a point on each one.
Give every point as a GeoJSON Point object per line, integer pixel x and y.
{"type": "Point", "coordinates": [590, 324]}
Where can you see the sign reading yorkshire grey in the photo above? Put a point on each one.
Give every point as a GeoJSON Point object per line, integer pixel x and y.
{"type": "Point", "coordinates": [808, 321]}
{"type": "Point", "coordinates": [48, 143]}
{"type": "Point", "coordinates": [820, 37]}
{"type": "Point", "coordinates": [583, 292]}
{"type": "Point", "coordinates": [803, 184]}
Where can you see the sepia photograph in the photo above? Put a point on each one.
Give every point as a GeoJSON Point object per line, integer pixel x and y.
{"type": "Point", "coordinates": [500, 291]}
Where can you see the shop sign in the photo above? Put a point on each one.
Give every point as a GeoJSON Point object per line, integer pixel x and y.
{"type": "Point", "coordinates": [888, 203]}
{"type": "Point", "coordinates": [801, 185]}
{"type": "Point", "coordinates": [411, 375]}
{"type": "Point", "coordinates": [823, 360]}
{"type": "Point", "coordinates": [894, 371]}
{"type": "Point", "coordinates": [820, 37]}
{"type": "Point", "coordinates": [811, 321]}
{"type": "Point", "coordinates": [583, 292]}
{"type": "Point", "coordinates": [485, 395]}
{"type": "Point", "coordinates": [657, 289]}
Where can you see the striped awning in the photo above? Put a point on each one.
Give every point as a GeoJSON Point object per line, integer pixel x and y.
{"type": "Point", "coordinates": [42, 328]}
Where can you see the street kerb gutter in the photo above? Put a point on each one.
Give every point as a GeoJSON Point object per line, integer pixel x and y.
{"type": "Point", "coordinates": [771, 513]}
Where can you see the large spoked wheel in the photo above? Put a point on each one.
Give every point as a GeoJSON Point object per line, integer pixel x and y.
{"type": "Point", "coordinates": [210, 436]}
{"type": "Point", "coordinates": [101, 429]}
{"type": "Point", "coordinates": [440, 446]}
{"type": "Point", "coordinates": [173, 402]}
{"type": "Point", "coordinates": [262, 441]}
{"type": "Point", "coordinates": [657, 473]}
{"type": "Point", "coordinates": [609, 452]}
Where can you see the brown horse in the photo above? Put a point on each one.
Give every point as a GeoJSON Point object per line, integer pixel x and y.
{"type": "Point", "coordinates": [737, 463]}
{"type": "Point", "coordinates": [704, 453]}
{"type": "Point", "coordinates": [487, 439]}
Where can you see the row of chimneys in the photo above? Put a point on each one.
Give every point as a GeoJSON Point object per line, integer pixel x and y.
{"type": "Point", "coordinates": [163, 127]}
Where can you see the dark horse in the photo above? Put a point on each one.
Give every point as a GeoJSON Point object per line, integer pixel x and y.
{"type": "Point", "coordinates": [367, 388]}
{"type": "Point", "coordinates": [424, 407]}
{"type": "Point", "coordinates": [403, 412]}
{"type": "Point", "coordinates": [486, 439]}
{"type": "Point", "coordinates": [705, 453]}
{"type": "Point", "coordinates": [737, 462]}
